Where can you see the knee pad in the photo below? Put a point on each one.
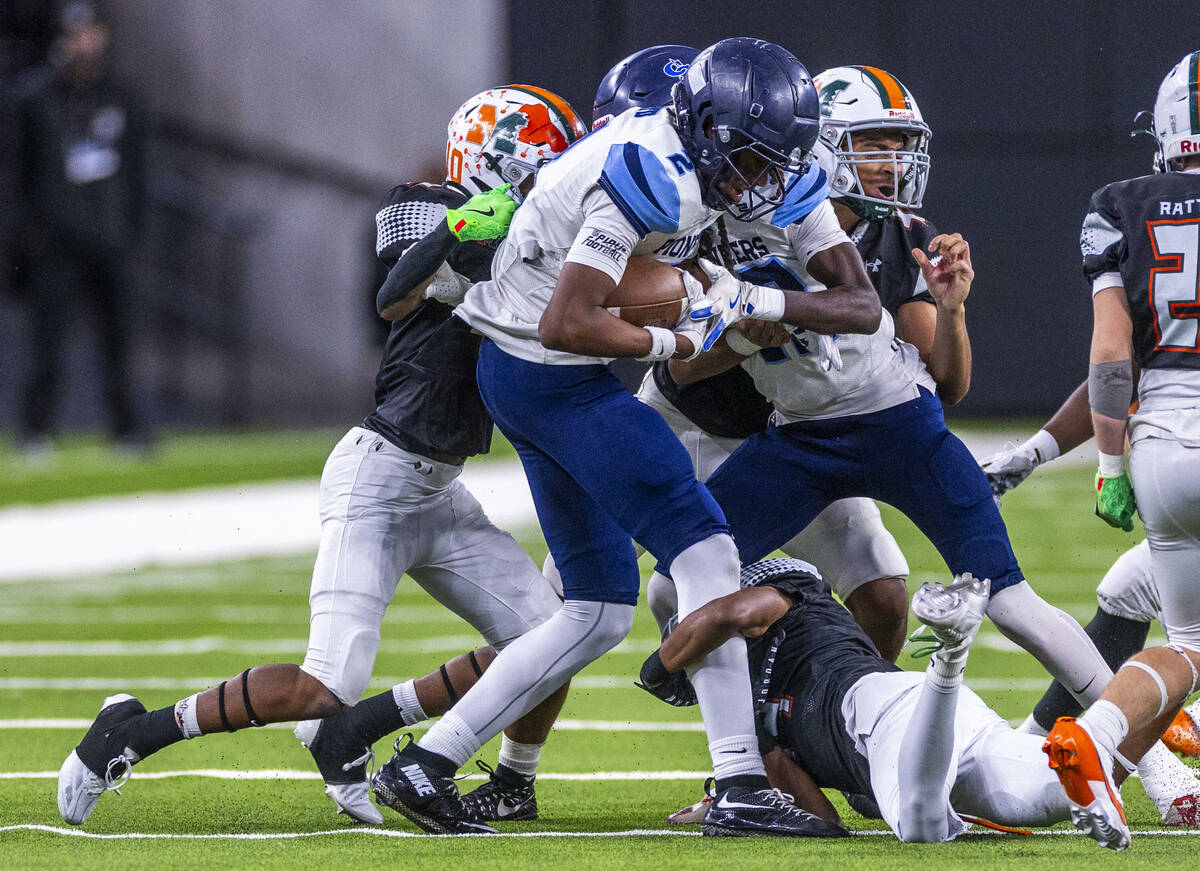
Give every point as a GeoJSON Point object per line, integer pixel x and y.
{"type": "Point", "coordinates": [705, 571]}
{"type": "Point", "coordinates": [1128, 589]}
{"type": "Point", "coordinates": [346, 669]}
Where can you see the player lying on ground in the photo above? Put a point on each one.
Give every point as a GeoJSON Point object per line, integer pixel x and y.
{"type": "Point", "coordinates": [1139, 242]}
{"type": "Point", "coordinates": [877, 158]}
{"type": "Point", "coordinates": [834, 714]}
{"type": "Point", "coordinates": [391, 503]}
{"type": "Point", "coordinates": [603, 468]}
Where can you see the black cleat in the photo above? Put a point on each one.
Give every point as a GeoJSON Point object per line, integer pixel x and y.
{"type": "Point", "coordinates": [100, 763]}
{"type": "Point", "coordinates": [343, 759]}
{"type": "Point", "coordinates": [748, 813]}
{"type": "Point", "coordinates": [506, 796]}
{"type": "Point", "coordinates": [429, 799]}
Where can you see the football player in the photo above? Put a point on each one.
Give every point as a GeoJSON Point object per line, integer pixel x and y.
{"type": "Point", "coordinates": [877, 156]}
{"type": "Point", "coordinates": [835, 714]}
{"type": "Point", "coordinates": [391, 503]}
{"type": "Point", "coordinates": [602, 466]}
{"type": "Point", "coordinates": [1140, 242]}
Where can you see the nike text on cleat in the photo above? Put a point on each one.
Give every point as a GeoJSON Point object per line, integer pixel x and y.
{"type": "Point", "coordinates": [344, 761]}
{"type": "Point", "coordinates": [952, 613]}
{"type": "Point", "coordinates": [748, 813]}
{"type": "Point", "coordinates": [506, 796]}
{"type": "Point", "coordinates": [1084, 770]}
{"type": "Point", "coordinates": [100, 763]}
{"type": "Point", "coordinates": [427, 798]}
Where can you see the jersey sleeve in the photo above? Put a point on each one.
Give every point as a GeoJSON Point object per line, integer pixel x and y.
{"type": "Point", "coordinates": [606, 238]}
{"type": "Point", "coordinates": [640, 186]}
{"type": "Point", "coordinates": [818, 231]}
{"type": "Point", "coordinates": [405, 217]}
{"type": "Point", "coordinates": [808, 193]}
{"type": "Point", "coordinates": [1102, 242]}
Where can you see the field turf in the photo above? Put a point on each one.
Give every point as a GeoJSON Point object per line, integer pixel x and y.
{"type": "Point", "coordinates": [620, 764]}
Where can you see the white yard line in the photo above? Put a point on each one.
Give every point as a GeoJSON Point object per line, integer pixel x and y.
{"type": "Point", "coordinates": [393, 833]}
{"type": "Point", "coordinates": [561, 725]}
{"type": "Point", "coordinates": [294, 774]}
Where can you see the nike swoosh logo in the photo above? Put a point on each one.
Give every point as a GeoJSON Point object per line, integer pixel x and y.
{"type": "Point", "coordinates": [731, 805]}
{"type": "Point", "coordinates": [505, 808]}
{"type": "Point", "coordinates": [486, 214]}
{"type": "Point", "coordinates": [743, 750]}
{"type": "Point", "coordinates": [733, 302]}
{"type": "Point", "coordinates": [1084, 687]}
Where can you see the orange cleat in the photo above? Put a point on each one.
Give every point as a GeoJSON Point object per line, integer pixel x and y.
{"type": "Point", "coordinates": [1085, 771]}
{"type": "Point", "coordinates": [1183, 735]}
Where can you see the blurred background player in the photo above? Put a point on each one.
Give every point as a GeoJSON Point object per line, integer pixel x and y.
{"type": "Point", "coordinates": [391, 503]}
{"type": "Point", "coordinates": [876, 154]}
{"type": "Point", "coordinates": [835, 714]}
{"type": "Point", "coordinates": [603, 467]}
{"type": "Point", "coordinates": [80, 191]}
{"type": "Point", "coordinates": [1140, 242]}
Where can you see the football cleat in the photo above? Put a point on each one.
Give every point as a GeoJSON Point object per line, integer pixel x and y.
{"type": "Point", "coordinates": [100, 763]}
{"type": "Point", "coordinates": [1084, 769]}
{"type": "Point", "coordinates": [1183, 735]}
{"type": "Point", "coordinates": [748, 813]}
{"type": "Point", "coordinates": [429, 799]}
{"type": "Point", "coordinates": [1184, 812]}
{"type": "Point", "coordinates": [1171, 784]}
{"type": "Point", "coordinates": [343, 760]}
{"type": "Point", "coordinates": [506, 796]}
{"type": "Point", "coordinates": [952, 613]}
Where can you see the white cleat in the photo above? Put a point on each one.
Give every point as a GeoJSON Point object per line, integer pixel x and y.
{"type": "Point", "coordinates": [1172, 785]}
{"type": "Point", "coordinates": [952, 613]}
{"type": "Point", "coordinates": [353, 800]}
{"type": "Point", "coordinates": [81, 784]}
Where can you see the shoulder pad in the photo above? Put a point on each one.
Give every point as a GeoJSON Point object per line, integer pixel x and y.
{"type": "Point", "coordinates": [804, 196]}
{"type": "Point", "coordinates": [794, 577]}
{"type": "Point", "coordinates": [638, 183]}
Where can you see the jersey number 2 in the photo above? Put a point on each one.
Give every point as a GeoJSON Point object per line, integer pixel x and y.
{"type": "Point", "coordinates": [1175, 286]}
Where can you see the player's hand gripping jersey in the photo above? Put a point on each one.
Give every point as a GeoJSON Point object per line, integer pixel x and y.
{"type": "Point", "coordinates": [626, 189]}
{"type": "Point", "coordinates": [1143, 234]}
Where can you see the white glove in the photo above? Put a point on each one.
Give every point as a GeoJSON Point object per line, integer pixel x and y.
{"type": "Point", "coordinates": [729, 300]}
{"type": "Point", "coordinates": [447, 286]}
{"type": "Point", "coordinates": [1010, 467]}
{"type": "Point", "coordinates": [828, 356]}
{"type": "Point", "coordinates": [686, 325]}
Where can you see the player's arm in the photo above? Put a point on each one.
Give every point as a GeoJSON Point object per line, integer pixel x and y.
{"type": "Point", "coordinates": [939, 332]}
{"type": "Point", "coordinates": [1110, 390]}
{"type": "Point", "coordinates": [850, 303]}
{"type": "Point", "coordinates": [749, 612]}
{"type": "Point", "coordinates": [787, 776]}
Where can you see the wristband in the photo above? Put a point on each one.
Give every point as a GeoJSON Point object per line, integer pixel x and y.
{"type": "Point", "coordinates": [768, 304]}
{"type": "Point", "coordinates": [662, 345]}
{"type": "Point", "coordinates": [1111, 465]}
{"type": "Point", "coordinates": [1043, 447]}
{"type": "Point", "coordinates": [739, 344]}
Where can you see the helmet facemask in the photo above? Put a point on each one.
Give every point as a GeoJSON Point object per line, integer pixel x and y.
{"type": "Point", "coordinates": [748, 179]}
{"type": "Point", "coordinates": [910, 165]}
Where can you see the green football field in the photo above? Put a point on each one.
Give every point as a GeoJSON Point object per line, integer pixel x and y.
{"type": "Point", "coordinates": [618, 764]}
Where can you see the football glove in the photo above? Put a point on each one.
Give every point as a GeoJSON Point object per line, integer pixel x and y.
{"type": "Point", "coordinates": [729, 300]}
{"type": "Point", "coordinates": [672, 687]}
{"type": "Point", "coordinates": [1115, 502]}
{"type": "Point", "coordinates": [484, 217]}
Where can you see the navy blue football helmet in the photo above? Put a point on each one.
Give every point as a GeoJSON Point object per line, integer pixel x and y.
{"type": "Point", "coordinates": [748, 116]}
{"type": "Point", "coordinates": [645, 78]}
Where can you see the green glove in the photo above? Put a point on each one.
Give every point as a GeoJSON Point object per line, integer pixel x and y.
{"type": "Point", "coordinates": [1114, 501]}
{"type": "Point", "coordinates": [483, 217]}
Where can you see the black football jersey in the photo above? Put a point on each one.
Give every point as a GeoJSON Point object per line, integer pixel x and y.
{"type": "Point", "coordinates": [1147, 230]}
{"type": "Point", "coordinates": [802, 667]}
{"type": "Point", "coordinates": [727, 404]}
{"type": "Point", "coordinates": [426, 397]}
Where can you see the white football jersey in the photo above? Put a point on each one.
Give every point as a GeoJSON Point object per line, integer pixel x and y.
{"type": "Point", "coordinates": [877, 371]}
{"type": "Point", "coordinates": [625, 189]}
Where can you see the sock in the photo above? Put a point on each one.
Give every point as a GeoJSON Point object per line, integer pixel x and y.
{"type": "Point", "coordinates": [405, 697]}
{"type": "Point", "coordinates": [1117, 639]}
{"type": "Point", "coordinates": [1033, 726]}
{"type": "Point", "coordinates": [373, 718]}
{"type": "Point", "coordinates": [519, 758]}
{"type": "Point", "coordinates": [431, 759]}
{"type": "Point", "coordinates": [946, 667]}
{"type": "Point", "coordinates": [734, 757]}
{"type": "Point", "coordinates": [451, 738]}
{"type": "Point", "coordinates": [151, 732]}
{"type": "Point", "coordinates": [185, 716]}
{"type": "Point", "coordinates": [1106, 723]}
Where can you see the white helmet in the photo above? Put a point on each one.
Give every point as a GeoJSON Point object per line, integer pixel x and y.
{"type": "Point", "coordinates": [859, 98]}
{"type": "Point", "coordinates": [1177, 114]}
{"type": "Point", "coordinates": [503, 135]}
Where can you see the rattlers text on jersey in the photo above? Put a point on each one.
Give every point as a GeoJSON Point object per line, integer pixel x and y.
{"type": "Point", "coordinates": [625, 189]}
{"type": "Point", "coordinates": [1143, 234]}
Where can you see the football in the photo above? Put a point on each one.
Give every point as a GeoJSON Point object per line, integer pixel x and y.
{"type": "Point", "coordinates": [651, 293]}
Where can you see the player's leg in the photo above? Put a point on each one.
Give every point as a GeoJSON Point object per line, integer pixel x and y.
{"type": "Point", "coordinates": [953, 615]}
{"type": "Point", "coordinates": [862, 563]}
{"type": "Point", "coordinates": [1128, 602]}
{"type": "Point", "coordinates": [354, 578]}
{"type": "Point", "coordinates": [932, 478]}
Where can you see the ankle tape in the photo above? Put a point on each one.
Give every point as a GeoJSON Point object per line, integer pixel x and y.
{"type": "Point", "coordinates": [1191, 665]}
{"type": "Point", "coordinates": [1156, 677]}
